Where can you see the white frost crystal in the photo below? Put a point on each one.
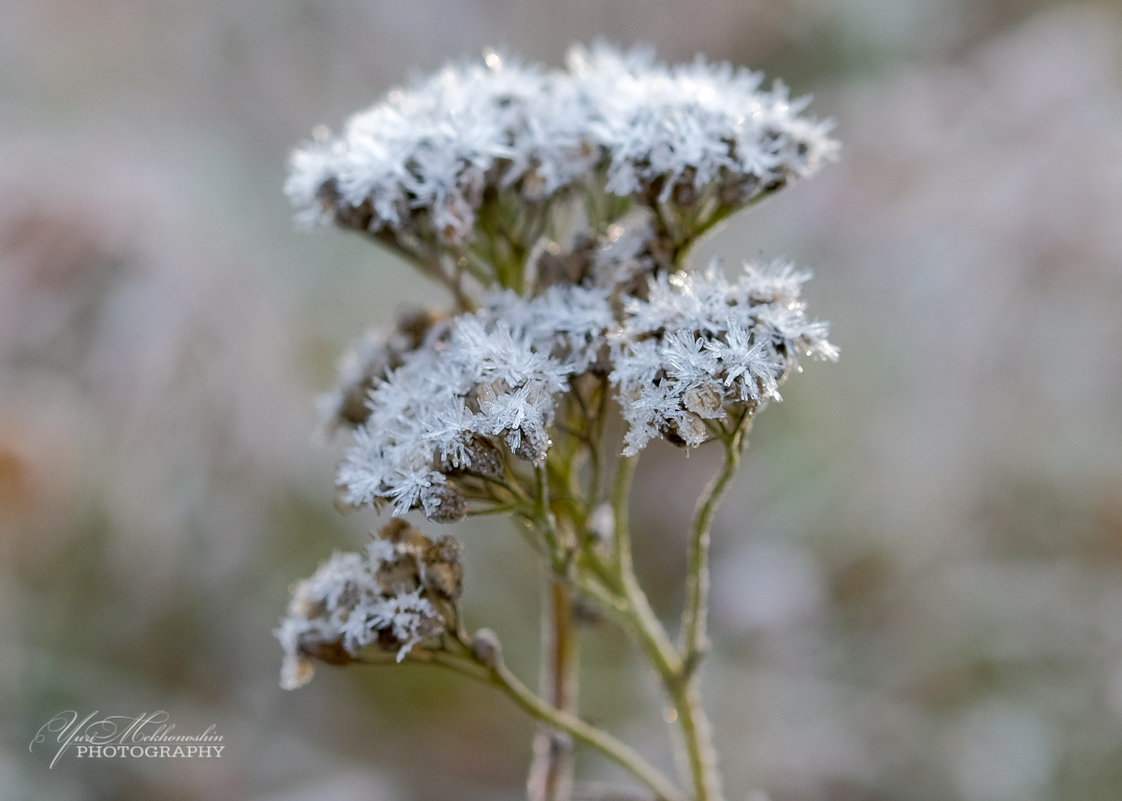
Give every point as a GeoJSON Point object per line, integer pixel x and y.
{"type": "Point", "coordinates": [419, 165]}
{"type": "Point", "coordinates": [387, 596]}
{"type": "Point", "coordinates": [702, 349]}
{"type": "Point", "coordinates": [693, 125]}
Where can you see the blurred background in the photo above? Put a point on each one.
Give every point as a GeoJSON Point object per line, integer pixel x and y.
{"type": "Point", "coordinates": [918, 587]}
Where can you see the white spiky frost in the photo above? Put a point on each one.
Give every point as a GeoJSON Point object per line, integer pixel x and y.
{"type": "Point", "coordinates": [436, 145]}
{"type": "Point", "coordinates": [567, 321]}
{"type": "Point", "coordinates": [693, 124]}
{"type": "Point", "coordinates": [495, 374]}
{"type": "Point", "coordinates": [701, 347]}
{"type": "Point", "coordinates": [424, 159]}
{"type": "Point", "coordinates": [343, 604]}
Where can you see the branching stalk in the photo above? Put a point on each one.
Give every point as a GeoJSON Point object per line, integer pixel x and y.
{"type": "Point", "coordinates": [498, 675]}
{"type": "Point", "coordinates": [679, 682]}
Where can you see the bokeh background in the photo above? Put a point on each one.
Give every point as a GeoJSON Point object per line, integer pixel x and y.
{"type": "Point", "coordinates": [918, 593]}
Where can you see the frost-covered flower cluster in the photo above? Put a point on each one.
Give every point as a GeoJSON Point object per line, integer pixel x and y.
{"type": "Point", "coordinates": [398, 593]}
{"type": "Point", "coordinates": [559, 210]}
{"type": "Point", "coordinates": [376, 353]}
{"type": "Point", "coordinates": [484, 387]}
{"type": "Point", "coordinates": [700, 350]}
{"type": "Point", "coordinates": [423, 159]}
{"type": "Point", "coordinates": [480, 387]}
{"type": "Point", "coordinates": [463, 171]}
{"type": "Point", "coordinates": [431, 163]}
{"type": "Point", "coordinates": [697, 132]}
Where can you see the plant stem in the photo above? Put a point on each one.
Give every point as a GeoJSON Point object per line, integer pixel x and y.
{"type": "Point", "coordinates": [696, 730]}
{"type": "Point", "coordinates": [603, 742]}
{"type": "Point", "coordinates": [695, 636]}
{"type": "Point", "coordinates": [697, 735]}
{"type": "Point", "coordinates": [551, 772]}
{"type": "Point", "coordinates": [679, 683]}
{"type": "Point", "coordinates": [637, 614]}
{"type": "Point", "coordinates": [498, 675]}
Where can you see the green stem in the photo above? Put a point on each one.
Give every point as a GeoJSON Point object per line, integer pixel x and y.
{"type": "Point", "coordinates": [637, 612]}
{"type": "Point", "coordinates": [498, 675]}
{"type": "Point", "coordinates": [679, 684]}
{"type": "Point", "coordinates": [551, 772]}
{"type": "Point", "coordinates": [591, 736]}
{"type": "Point", "coordinates": [697, 736]}
{"type": "Point", "coordinates": [694, 638]}
{"type": "Point", "coordinates": [677, 671]}
{"type": "Point", "coordinates": [696, 730]}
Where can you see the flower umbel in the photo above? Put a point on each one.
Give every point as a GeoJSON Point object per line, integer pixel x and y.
{"type": "Point", "coordinates": [559, 209]}
{"type": "Point", "coordinates": [398, 593]}
{"type": "Point", "coordinates": [701, 352]}
{"type": "Point", "coordinates": [435, 168]}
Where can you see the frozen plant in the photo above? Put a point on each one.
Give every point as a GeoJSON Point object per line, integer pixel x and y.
{"type": "Point", "coordinates": [559, 209]}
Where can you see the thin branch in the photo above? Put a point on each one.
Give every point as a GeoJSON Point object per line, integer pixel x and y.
{"type": "Point", "coordinates": [694, 637]}
{"type": "Point", "coordinates": [603, 742]}
{"type": "Point", "coordinates": [498, 675]}
{"type": "Point", "coordinates": [551, 772]}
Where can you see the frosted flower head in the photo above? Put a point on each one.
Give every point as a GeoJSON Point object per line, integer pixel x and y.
{"type": "Point", "coordinates": [691, 355]}
{"type": "Point", "coordinates": [397, 594]}
{"type": "Point", "coordinates": [701, 352]}
{"type": "Point", "coordinates": [431, 165]}
{"type": "Point", "coordinates": [481, 390]}
{"type": "Point", "coordinates": [369, 360]}
{"type": "Point", "coordinates": [420, 163]}
{"type": "Point", "coordinates": [464, 170]}
{"type": "Point", "coordinates": [703, 137]}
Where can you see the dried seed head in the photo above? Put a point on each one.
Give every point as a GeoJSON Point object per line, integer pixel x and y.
{"type": "Point", "coordinates": [533, 442]}
{"type": "Point", "coordinates": [442, 569]}
{"type": "Point", "coordinates": [484, 457]}
{"type": "Point", "coordinates": [706, 401]}
{"type": "Point", "coordinates": [368, 362]}
{"type": "Point", "coordinates": [331, 653]}
{"type": "Point", "coordinates": [406, 538]}
{"type": "Point", "coordinates": [401, 592]}
{"type": "Point", "coordinates": [485, 647]}
{"type": "Point", "coordinates": [398, 576]}
{"type": "Point", "coordinates": [442, 504]}
{"type": "Point", "coordinates": [296, 671]}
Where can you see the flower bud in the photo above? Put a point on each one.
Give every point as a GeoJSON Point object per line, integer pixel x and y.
{"type": "Point", "coordinates": [485, 647]}
{"type": "Point", "coordinates": [442, 570]}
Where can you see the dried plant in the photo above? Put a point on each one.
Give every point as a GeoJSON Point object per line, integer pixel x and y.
{"type": "Point", "coordinates": [559, 209]}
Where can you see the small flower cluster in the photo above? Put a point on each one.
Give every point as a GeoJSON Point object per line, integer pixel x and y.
{"type": "Point", "coordinates": [697, 351]}
{"type": "Point", "coordinates": [480, 387]}
{"type": "Point", "coordinates": [371, 358]}
{"type": "Point", "coordinates": [698, 133]}
{"type": "Point", "coordinates": [700, 350]}
{"type": "Point", "coordinates": [417, 169]}
{"type": "Point", "coordinates": [423, 159]}
{"type": "Point", "coordinates": [401, 592]}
